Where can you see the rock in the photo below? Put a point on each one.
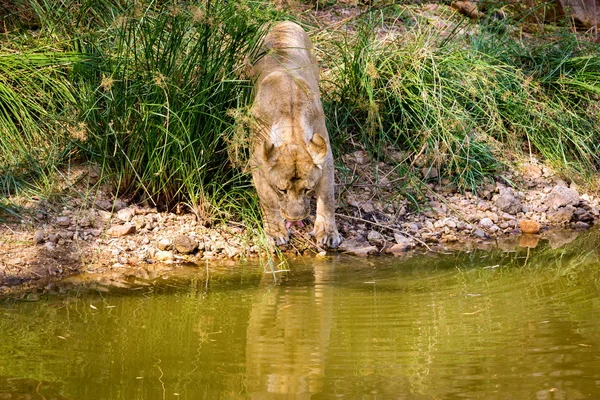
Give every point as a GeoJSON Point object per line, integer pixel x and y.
{"type": "Point", "coordinates": [581, 225]}
{"type": "Point", "coordinates": [126, 214]}
{"type": "Point", "coordinates": [121, 230]}
{"type": "Point", "coordinates": [85, 222]}
{"type": "Point", "coordinates": [486, 222]}
{"type": "Point", "coordinates": [63, 221]}
{"type": "Point", "coordinates": [449, 238]}
{"type": "Point", "coordinates": [163, 256]}
{"type": "Point", "coordinates": [450, 223]}
{"type": "Point", "coordinates": [529, 226]}
{"type": "Point", "coordinates": [103, 204]}
{"type": "Point", "coordinates": [439, 224]}
{"type": "Point", "coordinates": [413, 227]}
{"type": "Point", "coordinates": [356, 248]}
{"type": "Point", "coordinates": [120, 204]}
{"type": "Point", "coordinates": [53, 238]}
{"type": "Point", "coordinates": [165, 244]}
{"type": "Point", "coordinates": [532, 171]}
{"type": "Point", "coordinates": [185, 244]}
{"type": "Point", "coordinates": [461, 226]}
{"type": "Point", "coordinates": [397, 249]}
{"type": "Point", "coordinates": [583, 216]}
{"type": "Point", "coordinates": [562, 215]}
{"type": "Point", "coordinates": [507, 202]}
{"type": "Point", "coordinates": [375, 238]}
{"type": "Point", "coordinates": [561, 196]}
{"type": "Point", "coordinates": [367, 207]}
{"type": "Point", "coordinates": [480, 234]}
{"type": "Point", "coordinates": [38, 236]}
{"type": "Point", "coordinates": [401, 239]}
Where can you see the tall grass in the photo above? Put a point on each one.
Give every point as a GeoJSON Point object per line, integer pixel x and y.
{"type": "Point", "coordinates": [37, 106]}
{"type": "Point", "coordinates": [159, 91]}
{"type": "Point", "coordinates": [463, 103]}
{"type": "Point", "coordinates": [150, 90]}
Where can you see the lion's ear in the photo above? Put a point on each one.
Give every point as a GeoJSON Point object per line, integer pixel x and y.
{"type": "Point", "coordinates": [317, 148]}
{"type": "Point", "coordinates": [266, 151]}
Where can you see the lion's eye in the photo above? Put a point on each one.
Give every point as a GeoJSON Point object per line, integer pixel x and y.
{"type": "Point", "coordinates": [308, 192]}
{"type": "Point", "coordinates": [282, 191]}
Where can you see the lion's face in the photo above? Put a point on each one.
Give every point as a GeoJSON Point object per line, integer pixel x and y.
{"type": "Point", "coordinates": [292, 174]}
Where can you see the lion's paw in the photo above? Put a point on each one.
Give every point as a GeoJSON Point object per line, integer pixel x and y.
{"type": "Point", "coordinates": [331, 238]}
{"type": "Point", "coordinates": [279, 236]}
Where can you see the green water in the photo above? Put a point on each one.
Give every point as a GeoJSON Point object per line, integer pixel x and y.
{"type": "Point", "coordinates": [492, 325]}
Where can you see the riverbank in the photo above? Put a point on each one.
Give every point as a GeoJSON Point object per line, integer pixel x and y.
{"type": "Point", "coordinates": [116, 240]}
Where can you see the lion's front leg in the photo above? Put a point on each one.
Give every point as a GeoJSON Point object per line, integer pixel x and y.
{"type": "Point", "coordinates": [274, 223]}
{"type": "Point", "coordinates": [275, 226]}
{"type": "Point", "coordinates": [325, 230]}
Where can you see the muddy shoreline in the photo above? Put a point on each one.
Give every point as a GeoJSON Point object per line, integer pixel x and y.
{"type": "Point", "coordinates": [114, 241]}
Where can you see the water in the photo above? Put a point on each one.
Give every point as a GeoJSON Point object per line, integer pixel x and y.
{"type": "Point", "coordinates": [488, 325]}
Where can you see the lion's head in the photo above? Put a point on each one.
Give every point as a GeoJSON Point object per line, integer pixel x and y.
{"type": "Point", "coordinates": [293, 172]}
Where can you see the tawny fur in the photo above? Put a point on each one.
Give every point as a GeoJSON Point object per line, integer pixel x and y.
{"type": "Point", "coordinates": [291, 156]}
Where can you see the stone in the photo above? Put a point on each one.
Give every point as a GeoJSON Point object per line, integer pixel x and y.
{"type": "Point", "coordinates": [121, 230]}
{"type": "Point", "coordinates": [401, 239]}
{"type": "Point", "coordinates": [126, 214]}
{"type": "Point", "coordinates": [103, 204]}
{"type": "Point", "coordinates": [367, 207]}
{"type": "Point", "coordinates": [561, 196]}
{"type": "Point", "coordinates": [508, 202]}
{"type": "Point", "coordinates": [439, 224]}
{"type": "Point", "coordinates": [63, 221]}
{"type": "Point", "coordinates": [529, 226]}
{"type": "Point", "coordinates": [480, 234]}
{"type": "Point", "coordinates": [397, 249]}
{"type": "Point", "coordinates": [583, 216]}
{"type": "Point", "coordinates": [163, 256]}
{"type": "Point", "coordinates": [164, 244]}
{"type": "Point", "coordinates": [581, 225]}
{"type": "Point", "coordinates": [375, 238]}
{"type": "Point", "coordinates": [356, 248]}
{"type": "Point", "coordinates": [562, 215]}
{"type": "Point", "coordinates": [450, 223]}
{"type": "Point", "coordinates": [119, 204]}
{"type": "Point", "coordinates": [38, 236]}
{"type": "Point", "coordinates": [486, 222]}
{"type": "Point", "coordinates": [85, 222]}
{"type": "Point", "coordinates": [185, 244]}
{"type": "Point", "coordinates": [413, 227]}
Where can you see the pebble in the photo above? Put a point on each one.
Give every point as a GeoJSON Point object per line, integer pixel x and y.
{"type": "Point", "coordinates": [185, 244]}
{"type": "Point", "coordinates": [486, 222]}
{"type": "Point", "coordinates": [38, 236]}
{"type": "Point", "coordinates": [162, 255]}
{"type": "Point", "coordinates": [63, 221]}
{"type": "Point", "coordinates": [397, 249]}
{"type": "Point", "coordinates": [121, 230]}
{"type": "Point", "coordinates": [165, 244]}
{"type": "Point", "coordinates": [529, 226]}
{"type": "Point", "coordinates": [126, 214]}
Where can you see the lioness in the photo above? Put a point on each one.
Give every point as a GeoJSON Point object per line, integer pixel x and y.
{"type": "Point", "coordinates": [291, 157]}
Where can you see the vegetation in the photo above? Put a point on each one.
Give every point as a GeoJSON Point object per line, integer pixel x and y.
{"type": "Point", "coordinates": [462, 101]}
{"type": "Point", "coordinates": [154, 93]}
